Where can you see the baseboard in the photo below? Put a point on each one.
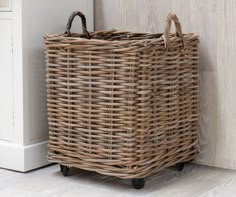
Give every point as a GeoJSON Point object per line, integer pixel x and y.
{"type": "Point", "coordinates": [35, 156]}
{"type": "Point", "coordinates": [11, 156]}
{"type": "Point", "coordinates": [23, 158]}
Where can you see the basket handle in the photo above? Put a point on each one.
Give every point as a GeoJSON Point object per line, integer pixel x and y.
{"type": "Point", "coordinates": [84, 25]}
{"type": "Point", "coordinates": [172, 17]}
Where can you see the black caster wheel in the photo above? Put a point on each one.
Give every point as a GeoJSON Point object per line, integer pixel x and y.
{"type": "Point", "coordinates": [65, 170]}
{"type": "Point", "coordinates": [138, 183]}
{"type": "Point", "coordinates": [180, 166]}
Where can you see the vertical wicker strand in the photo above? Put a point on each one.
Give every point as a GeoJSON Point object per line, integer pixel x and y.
{"type": "Point", "coordinates": [68, 97]}
{"type": "Point", "coordinates": [195, 97]}
{"type": "Point", "coordinates": [154, 103]}
{"type": "Point", "coordinates": [143, 111]}
{"type": "Point", "coordinates": [168, 102]}
{"type": "Point", "coordinates": [90, 102]}
{"type": "Point", "coordinates": [111, 110]}
{"type": "Point", "coordinates": [178, 97]}
{"type": "Point", "coordinates": [130, 111]}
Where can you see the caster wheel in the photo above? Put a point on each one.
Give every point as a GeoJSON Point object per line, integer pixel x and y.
{"type": "Point", "coordinates": [138, 183]}
{"type": "Point", "coordinates": [65, 170]}
{"type": "Point", "coordinates": [180, 166]}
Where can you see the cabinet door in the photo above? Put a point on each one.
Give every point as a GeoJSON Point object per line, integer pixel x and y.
{"type": "Point", "coordinates": [5, 5]}
{"type": "Point", "coordinates": [6, 81]}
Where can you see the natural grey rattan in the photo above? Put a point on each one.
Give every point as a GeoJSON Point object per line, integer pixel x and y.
{"type": "Point", "coordinates": [120, 103]}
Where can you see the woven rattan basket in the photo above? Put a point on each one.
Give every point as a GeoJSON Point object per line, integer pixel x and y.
{"type": "Point", "coordinates": [120, 103]}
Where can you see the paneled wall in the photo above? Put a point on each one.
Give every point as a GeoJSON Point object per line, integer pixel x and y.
{"type": "Point", "coordinates": [214, 21]}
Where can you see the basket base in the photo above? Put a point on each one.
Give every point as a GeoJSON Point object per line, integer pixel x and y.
{"type": "Point", "coordinates": [137, 183]}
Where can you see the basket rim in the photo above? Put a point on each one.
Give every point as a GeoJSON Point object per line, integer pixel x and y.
{"type": "Point", "coordinates": [78, 37]}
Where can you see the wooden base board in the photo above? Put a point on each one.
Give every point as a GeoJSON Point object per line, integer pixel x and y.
{"type": "Point", "coordinates": [23, 158]}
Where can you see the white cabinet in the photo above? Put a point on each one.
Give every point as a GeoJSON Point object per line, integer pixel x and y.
{"type": "Point", "coordinates": [6, 81]}
{"type": "Point", "coordinates": [23, 112]}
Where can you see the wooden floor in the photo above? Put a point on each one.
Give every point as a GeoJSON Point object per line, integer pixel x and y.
{"type": "Point", "coordinates": [48, 182]}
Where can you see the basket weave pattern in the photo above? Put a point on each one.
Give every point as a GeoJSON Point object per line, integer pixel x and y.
{"type": "Point", "coordinates": [123, 104]}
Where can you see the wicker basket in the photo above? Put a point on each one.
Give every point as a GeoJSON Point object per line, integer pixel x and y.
{"type": "Point", "coordinates": [122, 104]}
